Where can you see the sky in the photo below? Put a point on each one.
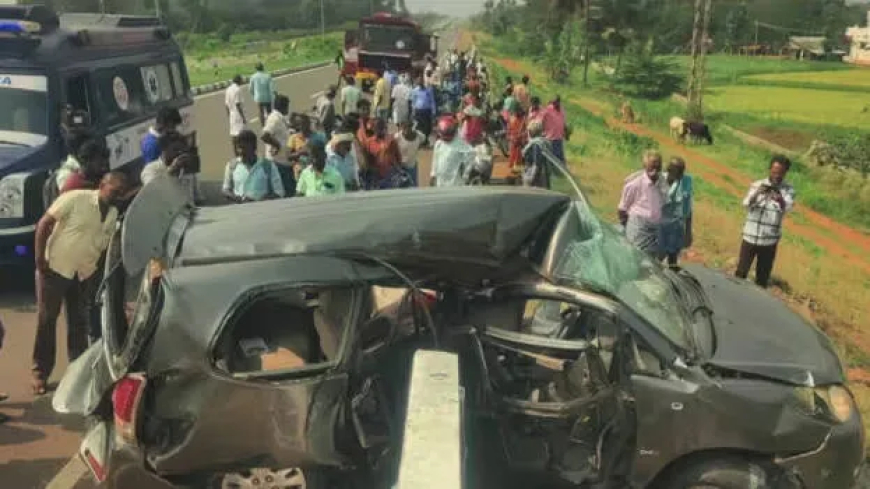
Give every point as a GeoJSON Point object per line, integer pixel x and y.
{"type": "Point", "coordinates": [455, 8]}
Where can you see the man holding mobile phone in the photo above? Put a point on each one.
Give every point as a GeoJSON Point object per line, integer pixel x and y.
{"type": "Point", "coordinates": [177, 159]}
{"type": "Point", "coordinates": [767, 202]}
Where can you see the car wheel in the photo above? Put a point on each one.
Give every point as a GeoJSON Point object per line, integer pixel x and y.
{"type": "Point", "coordinates": [262, 478]}
{"type": "Point", "coordinates": [722, 473]}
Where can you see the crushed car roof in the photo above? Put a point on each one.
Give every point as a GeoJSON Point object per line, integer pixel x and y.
{"type": "Point", "coordinates": [472, 225]}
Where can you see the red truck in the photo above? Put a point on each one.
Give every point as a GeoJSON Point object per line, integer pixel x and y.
{"type": "Point", "coordinates": [385, 39]}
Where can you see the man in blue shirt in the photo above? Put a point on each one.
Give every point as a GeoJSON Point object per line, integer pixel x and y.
{"type": "Point", "coordinates": [391, 75]}
{"type": "Point", "coordinates": [168, 120]}
{"type": "Point", "coordinates": [249, 179]}
{"type": "Point", "coordinates": [262, 88]}
{"type": "Point", "coordinates": [423, 106]}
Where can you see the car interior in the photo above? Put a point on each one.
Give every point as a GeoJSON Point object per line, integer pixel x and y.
{"type": "Point", "coordinates": [285, 330]}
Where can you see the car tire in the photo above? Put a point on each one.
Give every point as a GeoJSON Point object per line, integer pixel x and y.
{"type": "Point", "coordinates": [721, 473]}
{"type": "Point", "coordinates": [315, 478]}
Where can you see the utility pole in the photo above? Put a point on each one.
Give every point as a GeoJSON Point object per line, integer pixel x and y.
{"type": "Point", "coordinates": [322, 19]}
{"type": "Point", "coordinates": [157, 9]}
{"type": "Point", "coordinates": [103, 7]}
{"type": "Point", "coordinates": [586, 11]}
{"type": "Point", "coordinates": [702, 72]}
{"type": "Point", "coordinates": [694, 110]}
{"type": "Point", "coordinates": [371, 7]}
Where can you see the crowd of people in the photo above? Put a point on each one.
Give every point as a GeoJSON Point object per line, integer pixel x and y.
{"type": "Point", "coordinates": [353, 143]}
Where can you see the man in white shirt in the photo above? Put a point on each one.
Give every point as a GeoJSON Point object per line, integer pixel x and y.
{"type": "Point", "coordinates": [350, 97]}
{"type": "Point", "coordinates": [409, 141]}
{"type": "Point", "coordinates": [452, 158]}
{"type": "Point", "coordinates": [276, 131]}
{"type": "Point", "coordinates": [402, 101]}
{"type": "Point", "coordinates": [766, 203]}
{"type": "Point", "coordinates": [233, 103]}
{"type": "Point", "coordinates": [70, 238]}
{"type": "Point", "coordinates": [176, 159]}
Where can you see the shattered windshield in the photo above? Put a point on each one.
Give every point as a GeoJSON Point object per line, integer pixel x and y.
{"type": "Point", "coordinates": [599, 258]}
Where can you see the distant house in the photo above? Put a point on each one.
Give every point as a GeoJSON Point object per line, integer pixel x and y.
{"type": "Point", "coordinates": [859, 40]}
{"type": "Point", "coordinates": [810, 48]}
{"type": "Point", "coordinates": [804, 47]}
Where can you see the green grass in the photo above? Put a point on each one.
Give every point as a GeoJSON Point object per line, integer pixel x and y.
{"type": "Point", "coordinates": [211, 60]}
{"type": "Point", "coordinates": [780, 104]}
{"type": "Point", "coordinates": [723, 69]}
{"type": "Point", "coordinates": [852, 78]}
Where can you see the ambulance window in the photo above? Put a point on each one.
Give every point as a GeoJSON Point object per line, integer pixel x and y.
{"type": "Point", "coordinates": [78, 94]}
{"type": "Point", "coordinates": [178, 81]}
{"type": "Point", "coordinates": [157, 83]}
{"type": "Point", "coordinates": [122, 94]}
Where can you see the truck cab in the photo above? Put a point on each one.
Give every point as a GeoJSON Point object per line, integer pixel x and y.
{"type": "Point", "coordinates": [116, 70]}
{"type": "Point", "coordinates": [385, 40]}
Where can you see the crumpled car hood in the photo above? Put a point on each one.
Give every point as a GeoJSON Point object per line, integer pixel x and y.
{"type": "Point", "coordinates": [757, 333]}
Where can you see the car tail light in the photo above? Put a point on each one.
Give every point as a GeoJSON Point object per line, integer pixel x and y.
{"type": "Point", "coordinates": [97, 468]}
{"type": "Point", "coordinates": [126, 403]}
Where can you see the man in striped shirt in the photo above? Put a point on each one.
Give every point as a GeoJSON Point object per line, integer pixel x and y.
{"type": "Point", "coordinates": [767, 202]}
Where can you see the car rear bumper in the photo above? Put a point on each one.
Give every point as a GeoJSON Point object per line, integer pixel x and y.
{"type": "Point", "coordinates": [126, 470]}
{"type": "Point", "coordinates": [835, 464]}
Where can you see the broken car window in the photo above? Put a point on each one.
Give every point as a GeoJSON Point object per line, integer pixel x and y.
{"type": "Point", "coordinates": [286, 330]}
{"type": "Point", "coordinates": [598, 258]}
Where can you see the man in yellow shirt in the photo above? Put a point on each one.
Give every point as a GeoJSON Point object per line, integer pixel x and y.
{"type": "Point", "coordinates": [383, 91]}
{"type": "Point", "coordinates": [70, 238]}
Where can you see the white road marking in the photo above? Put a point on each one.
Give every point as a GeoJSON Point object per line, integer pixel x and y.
{"type": "Point", "coordinates": [69, 475]}
{"type": "Point", "coordinates": [222, 92]}
{"type": "Point", "coordinates": [317, 95]}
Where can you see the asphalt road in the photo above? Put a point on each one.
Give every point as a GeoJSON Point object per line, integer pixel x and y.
{"type": "Point", "coordinates": [37, 443]}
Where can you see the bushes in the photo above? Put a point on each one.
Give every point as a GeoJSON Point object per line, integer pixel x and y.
{"type": "Point", "coordinates": [645, 75]}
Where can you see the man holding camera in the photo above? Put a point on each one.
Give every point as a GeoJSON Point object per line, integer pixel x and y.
{"type": "Point", "coordinates": [767, 202]}
{"type": "Point", "coordinates": [178, 159]}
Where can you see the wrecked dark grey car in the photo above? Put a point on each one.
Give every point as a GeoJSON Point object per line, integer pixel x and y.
{"type": "Point", "coordinates": [258, 350]}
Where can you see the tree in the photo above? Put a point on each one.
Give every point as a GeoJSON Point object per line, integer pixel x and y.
{"type": "Point", "coordinates": [564, 51]}
{"type": "Point", "coordinates": [646, 76]}
{"type": "Point", "coordinates": [736, 26]}
{"type": "Point", "coordinates": [703, 12]}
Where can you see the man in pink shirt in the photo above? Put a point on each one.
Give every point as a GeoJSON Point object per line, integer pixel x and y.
{"type": "Point", "coordinates": [555, 128]}
{"type": "Point", "coordinates": [640, 209]}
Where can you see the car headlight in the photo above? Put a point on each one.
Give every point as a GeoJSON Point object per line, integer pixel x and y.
{"type": "Point", "coordinates": [12, 195]}
{"type": "Point", "coordinates": [833, 401]}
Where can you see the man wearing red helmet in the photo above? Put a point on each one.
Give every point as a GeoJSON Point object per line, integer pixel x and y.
{"type": "Point", "coordinates": [451, 157]}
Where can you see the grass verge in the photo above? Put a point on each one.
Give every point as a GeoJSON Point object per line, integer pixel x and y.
{"type": "Point", "coordinates": [211, 60]}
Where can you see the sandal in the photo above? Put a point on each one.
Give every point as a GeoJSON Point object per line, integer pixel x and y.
{"type": "Point", "coordinates": [39, 387]}
{"type": "Point", "coordinates": [4, 418]}
{"type": "Point", "coordinates": [3, 396]}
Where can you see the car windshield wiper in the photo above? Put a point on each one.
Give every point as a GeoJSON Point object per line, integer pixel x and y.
{"type": "Point", "coordinates": [14, 143]}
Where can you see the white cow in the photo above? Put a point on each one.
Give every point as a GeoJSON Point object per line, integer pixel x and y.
{"type": "Point", "coordinates": [678, 127]}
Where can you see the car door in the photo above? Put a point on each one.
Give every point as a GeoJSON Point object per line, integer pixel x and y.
{"type": "Point", "coordinates": [554, 383]}
{"type": "Point", "coordinates": [384, 344]}
{"type": "Point", "coordinates": [277, 388]}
